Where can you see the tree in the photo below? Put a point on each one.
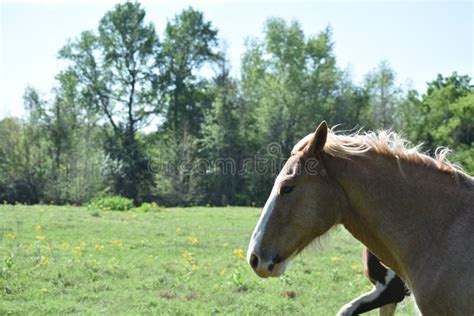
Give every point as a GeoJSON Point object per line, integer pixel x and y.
{"type": "Point", "coordinates": [219, 139]}
{"type": "Point", "coordinates": [384, 95]}
{"type": "Point", "coordinates": [288, 84]}
{"type": "Point", "coordinates": [351, 104]}
{"type": "Point", "coordinates": [221, 144]}
{"type": "Point", "coordinates": [189, 43]}
{"type": "Point", "coordinates": [298, 82]}
{"type": "Point", "coordinates": [408, 115]}
{"type": "Point", "coordinates": [447, 117]}
{"type": "Point", "coordinates": [117, 69]}
{"type": "Point", "coordinates": [60, 142]}
{"type": "Point", "coordinates": [447, 112]}
{"type": "Point", "coordinates": [37, 160]}
{"type": "Point", "coordinates": [19, 176]}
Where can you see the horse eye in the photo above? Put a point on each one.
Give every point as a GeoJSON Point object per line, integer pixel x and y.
{"type": "Point", "coordinates": [287, 189]}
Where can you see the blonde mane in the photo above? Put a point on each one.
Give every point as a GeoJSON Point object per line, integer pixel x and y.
{"type": "Point", "coordinates": [384, 142]}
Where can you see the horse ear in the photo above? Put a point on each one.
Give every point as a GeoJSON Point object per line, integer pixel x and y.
{"type": "Point", "coordinates": [317, 142]}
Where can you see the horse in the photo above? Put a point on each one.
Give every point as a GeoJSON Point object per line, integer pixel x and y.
{"type": "Point", "coordinates": [414, 212]}
{"type": "Point", "coordinates": [389, 289]}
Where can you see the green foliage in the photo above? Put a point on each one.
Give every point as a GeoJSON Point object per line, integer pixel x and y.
{"type": "Point", "coordinates": [448, 111]}
{"type": "Point", "coordinates": [223, 140]}
{"type": "Point", "coordinates": [111, 203]}
{"type": "Point", "coordinates": [116, 72]}
{"type": "Point", "coordinates": [14, 166]}
{"type": "Point", "coordinates": [189, 43]}
{"type": "Point", "coordinates": [447, 117]}
{"type": "Point", "coordinates": [289, 83]}
{"type": "Point", "coordinates": [182, 261]}
{"type": "Point", "coordinates": [161, 118]}
{"type": "Point", "coordinates": [295, 88]}
{"type": "Point", "coordinates": [148, 207]}
{"type": "Point", "coordinates": [383, 95]}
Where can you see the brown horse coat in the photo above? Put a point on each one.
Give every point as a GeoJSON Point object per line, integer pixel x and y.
{"type": "Point", "coordinates": [414, 212]}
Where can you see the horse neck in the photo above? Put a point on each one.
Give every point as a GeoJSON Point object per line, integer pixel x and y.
{"type": "Point", "coordinates": [396, 208]}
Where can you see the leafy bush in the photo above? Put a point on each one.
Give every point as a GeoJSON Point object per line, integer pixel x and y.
{"type": "Point", "coordinates": [148, 207]}
{"type": "Point", "coordinates": [111, 203]}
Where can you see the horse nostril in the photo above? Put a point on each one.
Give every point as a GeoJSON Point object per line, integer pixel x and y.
{"type": "Point", "coordinates": [270, 267]}
{"type": "Point", "coordinates": [254, 261]}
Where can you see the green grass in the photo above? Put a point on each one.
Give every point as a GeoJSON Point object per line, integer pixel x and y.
{"type": "Point", "coordinates": [180, 261]}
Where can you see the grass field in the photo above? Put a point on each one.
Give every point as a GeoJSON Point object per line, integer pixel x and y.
{"type": "Point", "coordinates": [179, 261]}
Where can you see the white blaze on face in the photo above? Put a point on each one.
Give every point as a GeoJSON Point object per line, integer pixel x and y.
{"type": "Point", "coordinates": [262, 223]}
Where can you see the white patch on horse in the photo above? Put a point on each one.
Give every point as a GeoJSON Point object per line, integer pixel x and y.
{"type": "Point", "coordinates": [417, 309]}
{"type": "Point", "coordinates": [262, 222]}
{"type": "Point", "coordinates": [368, 297]}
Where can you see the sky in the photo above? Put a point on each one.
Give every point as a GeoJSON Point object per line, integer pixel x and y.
{"type": "Point", "coordinates": [419, 39]}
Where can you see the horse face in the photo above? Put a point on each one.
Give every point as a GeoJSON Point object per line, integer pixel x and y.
{"type": "Point", "coordinates": [303, 204]}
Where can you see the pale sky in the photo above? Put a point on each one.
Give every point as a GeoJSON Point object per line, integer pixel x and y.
{"type": "Point", "coordinates": [418, 38]}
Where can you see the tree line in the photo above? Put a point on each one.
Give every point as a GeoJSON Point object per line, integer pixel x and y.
{"type": "Point", "coordinates": [136, 113]}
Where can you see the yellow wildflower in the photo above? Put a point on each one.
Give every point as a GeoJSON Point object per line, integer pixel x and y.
{"type": "Point", "coordinates": [116, 242]}
{"type": "Point", "coordinates": [194, 240]}
{"type": "Point", "coordinates": [187, 255]}
{"type": "Point", "coordinates": [38, 227]}
{"type": "Point", "coordinates": [76, 250]}
{"type": "Point", "coordinates": [11, 236]}
{"type": "Point", "coordinates": [99, 247]}
{"type": "Point", "coordinates": [239, 253]}
{"type": "Point", "coordinates": [222, 272]}
{"type": "Point", "coordinates": [194, 267]}
{"type": "Point", "coordinates": [335, 259]}
{"type": "Point", "coordinates": [356, 267]}
{"type": "Point", "coordinates": [40, 238]}
{"type": "Point", "coordinates": [226, 244]}
{"type": "Point", "coordinates": [43, 261]}
{"type": "Point", "coordinates": [44, 290]}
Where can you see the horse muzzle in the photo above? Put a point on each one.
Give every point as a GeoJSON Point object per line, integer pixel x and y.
{"type": "Point", "coordinates": [274, 267]}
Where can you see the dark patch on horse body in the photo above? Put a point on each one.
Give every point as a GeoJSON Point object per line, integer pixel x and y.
{"type": "Point", "coordinates": [374, 270]}
{"type": "Point", "coordinates": [393, 290]}
{"type": "Point", "coordinates": [377, 272]}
